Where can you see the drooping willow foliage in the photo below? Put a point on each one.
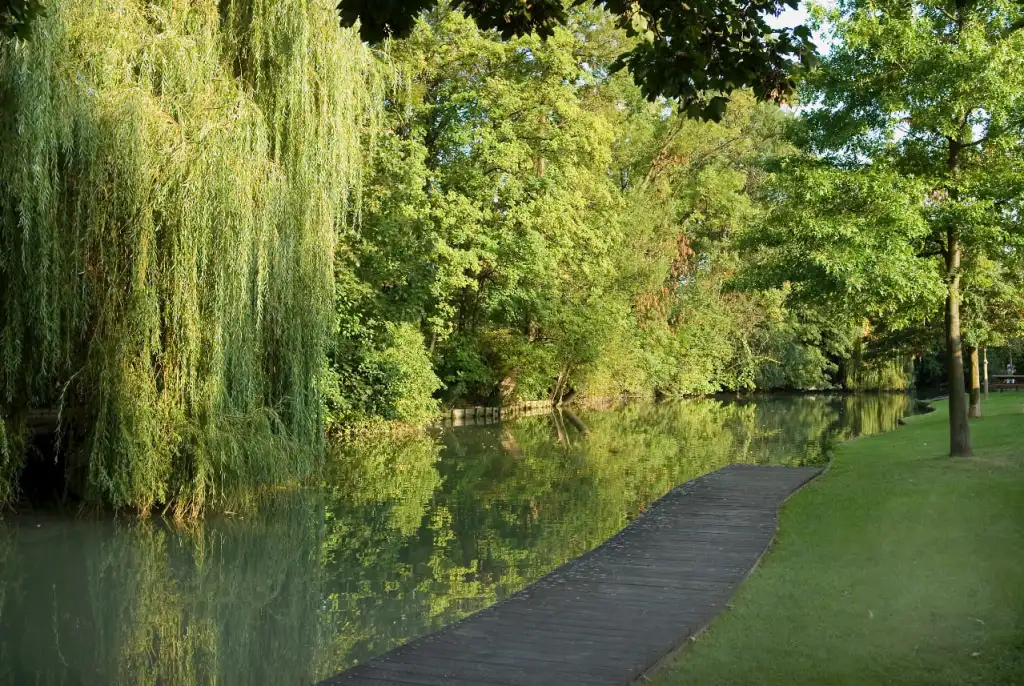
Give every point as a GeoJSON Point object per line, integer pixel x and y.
{"type": "Point", "coordinates": [172, 177]}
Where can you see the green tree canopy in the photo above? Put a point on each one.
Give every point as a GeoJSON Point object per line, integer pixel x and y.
{"type": "Point", "coordinates": [171, 178]}
{"type": "Point", "coordinates": [549, 231]}
{"type": "Point", "coordinates": [697, 52]}
{"type": "Point", "coordinates": [914, 126]}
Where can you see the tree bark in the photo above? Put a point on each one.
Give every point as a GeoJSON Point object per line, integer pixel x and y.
{"type": "Point", "coordinates": [959, 431]}
{"type": "Point", "coordinates": [984, 354]}
{"type": "Point", "coordinates": [975, 408]}
{"type": "Point", "coordinates": [556, 395]}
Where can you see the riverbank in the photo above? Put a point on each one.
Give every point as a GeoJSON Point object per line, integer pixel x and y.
{"type": "Point", "coordinates": [898, 566]}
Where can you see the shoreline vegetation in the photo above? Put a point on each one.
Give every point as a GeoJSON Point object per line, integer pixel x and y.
{"type": "Point", "coordinates": [898, 565]}
{"type": "Point", "coordinates": [230, 231]}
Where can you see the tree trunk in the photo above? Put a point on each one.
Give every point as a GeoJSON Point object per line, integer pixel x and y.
{"type": "Point", "coordinates": [556, 395]}
{"type": "Point", "coordinates": [975, 408]}
{"type": "Point", "coordinates": [984, 354]}
{"type": "Point", "coordinates": [507, 390]}
{"type": "Point", "coordinates": [556, 417]}
{"type": "Point", "coordinates": [959, 431]}
{"type": "Point", "coordinates": [575, 421]}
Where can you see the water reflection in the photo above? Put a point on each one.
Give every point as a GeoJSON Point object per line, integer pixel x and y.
{"type": "Point", "coordinates": [402, 538]}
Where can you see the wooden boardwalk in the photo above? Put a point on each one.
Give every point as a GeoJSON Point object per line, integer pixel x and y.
{"type": "Point", "coordinates": [607, 616]}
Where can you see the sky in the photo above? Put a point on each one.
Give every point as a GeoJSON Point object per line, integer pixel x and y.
{"type": "Point", "coordinates": [791, 18]}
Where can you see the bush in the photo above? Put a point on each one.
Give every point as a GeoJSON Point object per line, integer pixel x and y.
{"type": "Point", "coordinates": [407, 382]}
{"type": "Point", "coordinates": [387, 375]}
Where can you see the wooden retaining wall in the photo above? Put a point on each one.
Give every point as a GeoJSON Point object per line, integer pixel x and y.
{"type": "Point", "coordinates": [469, 416]}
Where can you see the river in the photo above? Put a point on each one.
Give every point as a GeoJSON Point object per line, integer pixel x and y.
{"type": "Point", "coordinates": [402, 537]}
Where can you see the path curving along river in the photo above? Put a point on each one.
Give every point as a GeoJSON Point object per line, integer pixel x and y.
{"type": "Point", "coordinates": [606, 617]}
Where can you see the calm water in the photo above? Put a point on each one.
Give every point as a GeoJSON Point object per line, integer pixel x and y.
{"type": "Point", "coordinates": [401, 539]}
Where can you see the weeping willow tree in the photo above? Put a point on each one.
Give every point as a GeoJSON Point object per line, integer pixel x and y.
{"type": "Point", "coordinates": [173, 174]}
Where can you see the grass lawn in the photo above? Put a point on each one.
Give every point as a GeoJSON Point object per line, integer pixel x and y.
{"type": "Point", "coordinates": [899, 566]}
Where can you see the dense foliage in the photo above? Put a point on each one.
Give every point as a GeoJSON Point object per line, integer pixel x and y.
{"type": "Point", "coordinates": [16, 16]}
{"type": "Point", "coordinates": [172, 179]}
{"type": "Point", "coordinates": [696, 52]}
{"type": "Point", "coordinates": [229, 228]}
{"type": "Point", "coordinates": [545, 231]}
{"type": "Point", "coordinates": [911, 192]}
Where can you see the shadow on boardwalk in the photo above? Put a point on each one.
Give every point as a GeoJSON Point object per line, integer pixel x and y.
{"type": "Point", "coordinates": [607, 616]}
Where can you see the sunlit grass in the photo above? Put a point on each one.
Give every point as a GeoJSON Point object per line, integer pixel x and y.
{"type": "Point", "coordinates": [899, 566]}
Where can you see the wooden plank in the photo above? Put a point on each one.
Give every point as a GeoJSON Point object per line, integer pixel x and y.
{"type": "Point", "coordinates": [493, 657]}
{"type": "Point", "coordinates": [449, 668]}
{"type": "Point", "coordinates": [608, 615]}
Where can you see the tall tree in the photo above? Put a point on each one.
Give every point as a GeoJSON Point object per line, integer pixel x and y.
{"type": "Point", "coordinates": [993, 312]}
{"type": "Point", "coordinates": [170, 178]}
{"type": "Point", "coordinates": [918, 109]}
{"type": "Point", "coordinates": [551, 232]}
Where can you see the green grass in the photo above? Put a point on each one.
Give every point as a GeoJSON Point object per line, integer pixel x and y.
{"type": "Point", "coordinates": [899, 566]}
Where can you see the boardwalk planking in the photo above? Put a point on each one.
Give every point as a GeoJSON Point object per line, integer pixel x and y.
{"type": "Point", "coordinates": [605, 617]}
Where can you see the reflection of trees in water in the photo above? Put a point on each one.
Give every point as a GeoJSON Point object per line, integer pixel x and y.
{"type": "Point", "coordinates": [396, 544]}
{"type": "Point", "coordinates": [90, 602]}
{"type": "Point", "coordinates": [803, 429]}
{"type": "Point", "coordinates": [380, 544]}
{"type": "Point", "coordinates": [518, 500]}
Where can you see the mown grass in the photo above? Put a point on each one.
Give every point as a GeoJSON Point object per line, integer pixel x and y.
{"type": "Point", "coordinates": [899, 566]}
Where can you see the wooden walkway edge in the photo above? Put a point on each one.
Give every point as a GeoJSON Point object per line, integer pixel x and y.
{"type": "Point", "coordinates": [607, 616]}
